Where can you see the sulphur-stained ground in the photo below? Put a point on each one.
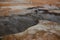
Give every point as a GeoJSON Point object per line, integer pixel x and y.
{"type": "Point", "coordinates": [29, 2]}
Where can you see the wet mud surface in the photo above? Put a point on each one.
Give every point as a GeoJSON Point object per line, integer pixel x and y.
{"type": "Point", "coordinates": [19, 23]}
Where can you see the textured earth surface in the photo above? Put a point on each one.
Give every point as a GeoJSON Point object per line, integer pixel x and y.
{"type": "Point", "coordinates": [44, 30]}
{"type": "Point", "coordinates": [31, 24]}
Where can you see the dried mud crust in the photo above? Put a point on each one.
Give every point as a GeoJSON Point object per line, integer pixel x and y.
{"type": "Point", "coordinates": [39, 35]}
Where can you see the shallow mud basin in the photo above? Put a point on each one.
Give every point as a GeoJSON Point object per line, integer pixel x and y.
{"type": "Point", "coordinates": [15, 24]}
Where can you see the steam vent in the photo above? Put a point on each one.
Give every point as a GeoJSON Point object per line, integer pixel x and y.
{"type": "Point", "coordinates": [29, 19]}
